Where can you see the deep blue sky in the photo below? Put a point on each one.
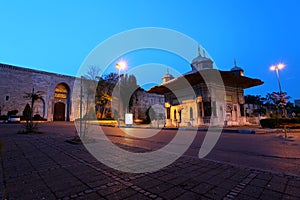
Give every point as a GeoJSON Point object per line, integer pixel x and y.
{"type": "Point", "coordinates": [56, 36]}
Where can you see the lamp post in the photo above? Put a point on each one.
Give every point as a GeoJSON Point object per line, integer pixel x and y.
{"type": "Point", "coordinates": [120, 66]}
{"type": "Point", "coordinates": [276, 68]}
{"type": "Point", "coordinates": [98, 98]}
{"type": "Point", "coordinates": [80, 108]}
{"type": "Point", "coordinates": [32, 102]}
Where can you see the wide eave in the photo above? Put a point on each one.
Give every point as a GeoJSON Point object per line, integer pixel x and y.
{"type": "Point", "coordinates": [229, 79]}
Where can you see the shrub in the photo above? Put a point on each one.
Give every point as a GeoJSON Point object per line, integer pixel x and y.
{"type": "Point", "coordinates": [26, 112]}
{"type": "Point", "coordinates": [150, 115]}
{"type": "Point", "coordinates": [12, 112]}
{"type": "Point", "coordinates": [146, 121]}
{"type": "Point", "coordinates": [268, 123]}
{"type": "Point", "coordinates": [3, 117]}
{"type": "Point", "coordinates": [271, 123]}
{"type": "Point", "coordinates": [38, 117]}
{"type": "Point", "coordinates": [286, 121]}
{"type": "Point", "coordinates": [103, 119]}
{"type": "Point", "coordinates": [109, 115]}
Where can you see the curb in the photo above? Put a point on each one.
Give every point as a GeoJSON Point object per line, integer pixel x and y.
{"type": "Point", "coordinates": [191, 129]}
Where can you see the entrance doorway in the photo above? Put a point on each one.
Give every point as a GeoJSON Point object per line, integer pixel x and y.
{"type": "Point", "coordinates": [62, 104]}
{"type": "Point", "coordinates": [59, 111]}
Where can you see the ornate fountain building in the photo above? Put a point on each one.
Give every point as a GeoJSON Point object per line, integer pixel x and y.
{"type": "Point", "coordinates": [206, 103]}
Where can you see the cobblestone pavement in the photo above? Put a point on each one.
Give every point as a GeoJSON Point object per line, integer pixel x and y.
{"type": "Point", "coordinates": [44, 166]}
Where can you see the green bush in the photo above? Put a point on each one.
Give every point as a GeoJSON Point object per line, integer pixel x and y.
{"type": "Point", "coordinates": [271, 123]}
{"type": "Point", "coordinates": [12, 112]}
{"type": "Point", "coordinates": [38, 117]}
{"type": "Point", "coordinates": [150, 115]}
{"type": "Point", "coordinates": [288, 120]}
{"type": "Point", "coordinates": [106, 118]}
{"type": "Point", "coordinates": [3, 117]}
{"type": "Point", "coordinates": [26, 113]}
{"type": "Point", "coordinates": [268, 123]}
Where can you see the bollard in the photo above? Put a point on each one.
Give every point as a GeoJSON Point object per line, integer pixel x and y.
{"type": "Point", "coordinates": [285, 131]}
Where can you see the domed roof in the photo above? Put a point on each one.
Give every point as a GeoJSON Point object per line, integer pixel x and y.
{"type": "Point", "coordinates": [236, 68]}
{"type": "Point", "coordinates": [167, 77]}
{"type": "Point", "coordinates": [200, 59]}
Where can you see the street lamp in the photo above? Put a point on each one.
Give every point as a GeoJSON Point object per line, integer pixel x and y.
{"type": "Point", "coordinates": [276, 68]}
{"type": "Point", "coordinates": [80, 108]}
{"type": "Point", "coordinates": [120, 66]}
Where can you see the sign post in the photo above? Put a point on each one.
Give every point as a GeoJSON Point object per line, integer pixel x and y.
{"type": "Point", "coordinates": [128, 118]}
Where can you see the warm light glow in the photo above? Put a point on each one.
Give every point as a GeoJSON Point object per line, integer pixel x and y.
{"type": "Point", "coordinates": [121, 65]}
{"type": "Point", "coordinates": [276, 67]}
{"type": "Point", "coordinates": [272, 67]}
{"type": "Point", "coordinates": [280, 66]}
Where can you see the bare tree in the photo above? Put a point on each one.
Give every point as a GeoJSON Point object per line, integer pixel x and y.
{"type": "Point", "coordinates": [92, 73]}
{"type": "Point", "coordinates": [90, 80]}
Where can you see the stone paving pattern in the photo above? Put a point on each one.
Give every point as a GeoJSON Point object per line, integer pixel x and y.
{"type": "Point", "coordinates": [44, 166]}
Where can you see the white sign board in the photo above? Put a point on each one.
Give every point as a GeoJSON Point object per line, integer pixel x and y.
{"type": "Point", "coordinates": [128, 118]}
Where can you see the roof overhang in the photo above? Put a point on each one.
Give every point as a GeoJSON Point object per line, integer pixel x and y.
{"type": "Point", "coordinates": [206, 76]}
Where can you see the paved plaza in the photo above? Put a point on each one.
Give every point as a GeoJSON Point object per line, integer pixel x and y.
{"type": "Point", "coordinates": [44, 166]}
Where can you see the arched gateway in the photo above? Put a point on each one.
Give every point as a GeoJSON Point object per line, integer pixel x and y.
{"type": "Point", "coordinates": [61, 103]}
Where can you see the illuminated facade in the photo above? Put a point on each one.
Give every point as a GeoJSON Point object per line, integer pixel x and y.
{"type": "Point", "coordinates": [210, 102]}
{"type": "Point", "coordinates": [56, 89]}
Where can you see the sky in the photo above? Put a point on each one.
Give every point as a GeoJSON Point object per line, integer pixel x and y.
{"type": "Point", "coordinates": [57, 36]}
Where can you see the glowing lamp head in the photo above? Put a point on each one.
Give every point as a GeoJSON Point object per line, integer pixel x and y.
{"type": "Point", "coordinates": [121, 65]}
{"type": "Point", "coordinates": [280, 66]}
{"type": "Point", "coordinates": [277, 67]}
{"type": "Point", "coordinates": [273, 67]}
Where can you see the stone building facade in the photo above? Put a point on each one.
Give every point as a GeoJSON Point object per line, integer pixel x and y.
{"type": "Point", "coordinates": [56, 90]}
{"type": "Point", "coordinates": [198, 98]}
{"type": "Point", "coordinates": [142, 101]}
{"type": "Point", "coordinates": [60, 101]}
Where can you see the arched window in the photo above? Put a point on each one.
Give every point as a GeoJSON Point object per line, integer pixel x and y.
{"type": "Point", "coordinates": [191, 113]}
{"type": "Point", "coordinates": [175, 113]}
{"type": "Point", "coordinates": [61, 91]}
{"type": "Point", "coordinates": [168, 112]}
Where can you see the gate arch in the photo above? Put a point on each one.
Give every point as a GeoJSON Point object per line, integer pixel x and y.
{"type": "Point", "coordinates": [61, 106]}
